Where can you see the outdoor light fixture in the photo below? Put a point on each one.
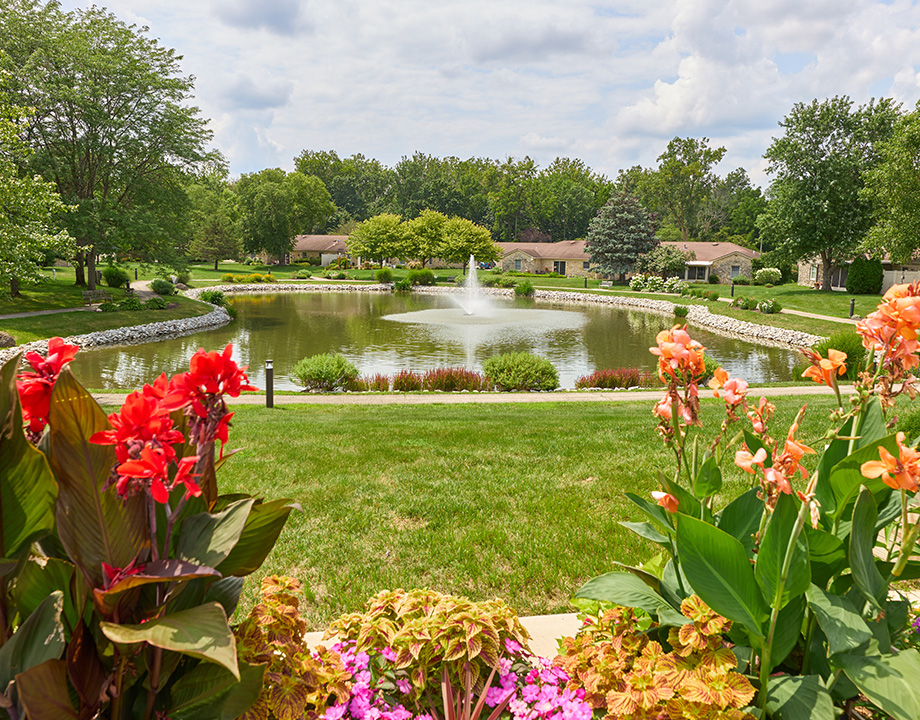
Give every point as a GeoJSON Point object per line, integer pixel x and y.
{"type": "Point", "coordinates": [269, 384]}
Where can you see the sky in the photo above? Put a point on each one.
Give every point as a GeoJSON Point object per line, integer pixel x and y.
{"type": "Point", "coordinates": [607, 82]}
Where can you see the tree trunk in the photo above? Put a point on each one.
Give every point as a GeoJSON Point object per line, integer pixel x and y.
{"type": "Point", "coordinates": [827, 269]}
{"type": "Point", "coordinates": [91, 269]}
{"type": "Point", "coordinates": [215, 263]}
{"type": "Point", "coordinates": [14, 287]}
{"type": "Point", "coordinates": [78, 261]}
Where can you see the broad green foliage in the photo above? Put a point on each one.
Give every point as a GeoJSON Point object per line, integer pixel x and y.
{"type": "Point", "coordinates": [820, 164]}
{"type": "Point", "coordinates": [798, 562]}
{"type": "Point", "coordinates": [215, 221]}
{"type": "Point", "coordinates": [162, 287]}
{"type": "Point", "coordinates": [378, 238]}
{"type": "Point", "coordinates": [325, 372]}
{"type": "Point", "coordinates": [865, 276]}
{"type": "Point", "coordinates": [461, 238]}
{"type": "Point", "coordinates": [621, 232]}
{"type": "Point", "coordinates": [664, 261]}
{"type": "Point", "coordinates": [521, 371]}
{"type": "Point", "coordinates": [423, 235]}
{"type": "Point", "coordinates": [768, 276]}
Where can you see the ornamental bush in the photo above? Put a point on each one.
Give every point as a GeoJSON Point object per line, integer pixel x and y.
{"type": "Point", "coordinates": [108, 307]}
{"type": "Point", "coordinates": [325, 372]}
{"type": "Point", "coordinates": [378, 382]}
{"type": "Point", "coordinates": [524, 288]}
{"type": "Point", "coordinates": [384, 275]}
{"type": "Point", "coordinates": [767, 276]}
{"type": "Point", "coordinates": [454, 380]}
{"type": "Point", "coordinates": [768, 307]}
{"type": "Point", "coordinates": [163, 287]}
{"type": "Point", "coordinates": [130, 303]}
{"type": "Point", "coordinates": [114, 277]}
{"type": "Point", "coordinates": [637, 282]}
{"type": "Point", "coordinates": [155, 303]}
{"type": "Point", "coordinates": [865, 276]}
{"type": "Point", "coordinates": [742, 280]}
{"type": "Point", "coordinates": [654, 283]}
{"type": "Point", "coordinates": [617, 378]}
{"type": "Point", "coordinates": [407, 381]}
{"type": "Point", "coordinates": [420, 277]}
{"type": "Point", "coordinates": [674, 285]}
{"type": "Point", "coordinates": [104, 603]}
{"type": "Point", "coordinates": [521, 371]}
{"type": "Point", "coordinates": [402, 286]}
{"type": "Point", "coordinates": [215, 297]}
{"type": "Point", "coordinates": [681, 311]}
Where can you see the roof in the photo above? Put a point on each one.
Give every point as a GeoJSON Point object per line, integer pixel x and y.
{"type": "Point", "coordinates": [708, 252]}
{"type": "Point", "coordinates": [320, 243]}
{"type": "Point", "coordinates": [563, 250]}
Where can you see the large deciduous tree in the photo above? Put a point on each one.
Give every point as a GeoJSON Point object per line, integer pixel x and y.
{"type": "Point", "coordinates": [462, 238]}
{"type": "Point", "coordinates": [423, 235]}
{"type": "Point", "coordinates": [621, 232]}
{"type": "Point", "coordinates": [893, 186]}
{"type": "Point", "coordinates": [28, 206]}
{"type": "Point", "coordinates": [379, 238]}
{"type": "Point", "coordinates": [815, 207]}
{"type": "Point", "coordinates": [113, 128]}
{"type": "Point", "coordinates": [215, 221]}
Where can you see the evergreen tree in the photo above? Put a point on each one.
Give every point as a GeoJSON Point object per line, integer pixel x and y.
{"type": "Point", "coordinates": [621, 232]}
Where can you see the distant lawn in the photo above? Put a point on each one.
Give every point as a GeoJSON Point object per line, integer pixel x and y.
{"type": "Point", "coordinates": [805, 299]}
{"type": "Point", "coordinates": [77, 323]}
{"type": "Point", "coordinates": [519, 501]}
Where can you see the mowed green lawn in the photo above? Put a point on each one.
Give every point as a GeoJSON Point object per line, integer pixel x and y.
{"type": "Point", "coordinates": [519, 501]}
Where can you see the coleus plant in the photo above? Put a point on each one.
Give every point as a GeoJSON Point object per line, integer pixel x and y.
{"type": "Point", "coordinates": [804, 562]}
{"type": "Point", "coordinates": [121, 562]}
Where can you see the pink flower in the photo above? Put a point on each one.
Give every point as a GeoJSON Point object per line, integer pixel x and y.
{"type": "Point", "coordinates": [746, 461]}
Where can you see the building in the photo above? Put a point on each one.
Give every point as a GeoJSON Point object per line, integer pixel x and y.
{"type": "Point", "coordinates": [567, 257]}
{"type": "Point", "coordinates": [811, 274]}
{"type": "Point", "coordinates": [725, 260]}
{"type": "Point", "coordinates": [325, 248]}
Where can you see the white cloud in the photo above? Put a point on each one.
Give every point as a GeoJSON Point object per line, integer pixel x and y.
{"type": "Point", "coordinates": [610, 81]}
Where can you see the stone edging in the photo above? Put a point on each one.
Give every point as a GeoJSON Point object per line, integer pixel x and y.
{"type": "Point", "coordinates": [698, 315]}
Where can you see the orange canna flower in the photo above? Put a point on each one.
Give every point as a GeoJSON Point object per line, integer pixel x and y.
{"type": "Point", "coordinates": [666, 500]}
{"type": "Point", "coordinates": [746, 461]}
{"type": "Point", "coordinates": [902, 472]}
{"type": "Point", "coordinates": [823, 370]}
{"type": "Point", "coordinates": [676, 351]}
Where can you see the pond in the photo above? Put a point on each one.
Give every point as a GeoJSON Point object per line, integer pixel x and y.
{"type": "Point", "coordinates": [286, 327]}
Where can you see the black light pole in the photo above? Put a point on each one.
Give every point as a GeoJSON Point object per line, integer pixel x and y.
{"type": "Point", "coordinates": [269, 384]}
{"type": "Point", "coordinates": [852, 306]}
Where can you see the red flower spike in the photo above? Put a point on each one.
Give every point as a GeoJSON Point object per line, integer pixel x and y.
{"type": "Point", "coordinates": [35, 386]}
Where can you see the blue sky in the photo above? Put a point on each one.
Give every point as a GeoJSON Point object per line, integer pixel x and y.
{"type": "Point", "coordinates": [608, 82]}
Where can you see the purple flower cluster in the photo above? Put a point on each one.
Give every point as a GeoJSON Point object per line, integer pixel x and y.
{"type": "Point", "coordinates": [536, 689]}
{"type": "Point", "coordinates": [916, 624]}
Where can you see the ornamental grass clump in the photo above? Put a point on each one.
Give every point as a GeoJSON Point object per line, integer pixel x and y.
{"type": "Point", "coordinates": [454, 380]}
{"type": "Point", "coordinates": [521, 371]}
{"type": "Point", "coordinates": [616, 378]}
{"type": "Point", "coordinates": [326, 372]}
{"type": "Point", "coordinates": [379, 382]}
{"type": "Point", "coordinates": [130, 504]}
{"type": "Point", "coordinates": [804, 563]}
{"type": "Point", "coordinates": [407, 381]}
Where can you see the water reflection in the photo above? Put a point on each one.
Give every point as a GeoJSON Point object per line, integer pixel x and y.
{"type": "Point", "coordinates": [288, 327]}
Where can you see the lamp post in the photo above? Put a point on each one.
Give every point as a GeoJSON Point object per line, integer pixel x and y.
{"type": "Point", "coordinates": [269, 384]}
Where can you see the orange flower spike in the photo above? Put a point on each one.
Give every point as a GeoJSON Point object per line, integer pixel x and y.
{"type": "Point", "coordinates": [719, 378]}
{"type": "Point", "coordinates": [902, 472]}
{"type": "Point", "coordinates": [666, 500]}
{"type": "Point", "coordinates": [822, 370]}
{"type": "Point", "coordinates": [746, 461]}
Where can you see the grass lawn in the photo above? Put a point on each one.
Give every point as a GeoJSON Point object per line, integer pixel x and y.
{"type": "Point", "coordinates": [77, 323]}
{"type": "Point", "coordinates": [805, 299]}
{"type": "Point", "coordinates": [518, 501]}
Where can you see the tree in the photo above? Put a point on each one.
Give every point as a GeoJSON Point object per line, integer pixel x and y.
{"type": "Point", "coordinates": [664, 260]}
{"type": "Point", "coordinates": [510, 198]}
{"type": "Point", "coordinates": [683, 180]}
{"type": "Point", "coordinates": [28, 207]}
{"type": "Point", "coordinates": [621, 232]}
{"type": "Point", "coordinates": [815, 207]}
{"type": "Point", "coordinates": [276, 206]}
{"type": "Point", "coordinates": [358, 186]}
{"type": "Point", "coordinates": [379, 238]}
{"type": "Point", "coordinates": [566, 196]}
{"type": "Point", "coordinates": [893, 186]}
{"type": "Point", "coordinates": [423, 235]}
{"type": "Point", "coordinates": [112, 126]}
{"type": "Point", "coordinates": [461, 238]}
{"type": "Point", "coordinates": [215, 221]}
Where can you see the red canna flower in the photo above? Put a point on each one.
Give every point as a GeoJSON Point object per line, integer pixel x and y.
{"type": "Point", "coordinates": [153, 467]}
{"type": "Point", "coordinates": [143, 419]}
{"type": "Point", "coordinates": [113, 575]}
{"type": "Point", "coordinates": [210, 374]}
{"type": "Point", "coordinates": [35, 386]}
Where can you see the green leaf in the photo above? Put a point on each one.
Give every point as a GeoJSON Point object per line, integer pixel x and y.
{"type": "Point", "coordinates": [717, 567]}
{"type": "Point", "coordinates": [264, 524]}
{"type": "Point", "coordinates": [201, 632]}
{"type": "Point", "coordinates": [788, 629]}
{"type": "Point", "coordinates": [674, 586]}
{"type": "Point", "coordinates": [708, 480]}
{"type": "Point", "coordinates": [889, 681]}
{"type": "Point", "coordinates": [209, 692]}
{"type": "Point", "coordinates": [835, 451]}
{"type": "Point", "coordinates": [862, 541]}
{"type": "Point", "coordinates": [842, 625]}
{"type": "Point", "coordinates": [657, 514]}
{"type": "Point", "coordinates": [628, 590]}
{"type": "Point", "coordinates": [688, 504]}
{"type": "Point", "coordinates": [653, 581]}
{"type": "Point", "coordinates": [27, 487]}
{"type": "Point", "coordinates": [39, 638]}
{"type": "Point", "coordinates": [207, 539]}
{"type": "Point", "coordinates": [154, 572]}
{"type": "Point", "coordinates": [44, 693]}
{"type": "Point", "coordinates": [94, 525]}
{"type": "Point", "coordinates": [873, 427]}
{"type": "Point", "coordinates": [827, 553]}
{"type": "Point", "coordinates": [846, 478]}
{"type": "Point", "coordinates": [772, 555]}
{"type": "Point", "coordinates": [799, 698]}
{"type": "Point", "coordinates": [39, 578]}
{"type": "Point", "coordinates": [741, 518]}
{"type": "Point", "coordinates": [645, 530]}
{"type": "Point", "coordinates": [226, 591]}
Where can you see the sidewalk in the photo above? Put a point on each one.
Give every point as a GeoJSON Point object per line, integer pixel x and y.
{"type": "Point", "coordinates": [141, 290]}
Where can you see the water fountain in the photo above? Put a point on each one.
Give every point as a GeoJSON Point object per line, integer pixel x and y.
{"type": "Point", "coordinates": [474, 301]}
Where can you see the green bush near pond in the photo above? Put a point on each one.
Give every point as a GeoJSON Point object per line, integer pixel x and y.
{"type": "Point", "coordinates": [521, 371]}
{"type": "Point", "coordinates": [326, 372]}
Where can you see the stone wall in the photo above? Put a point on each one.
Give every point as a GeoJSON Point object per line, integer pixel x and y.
{"type": "Point", "coordinates": [722, 267]}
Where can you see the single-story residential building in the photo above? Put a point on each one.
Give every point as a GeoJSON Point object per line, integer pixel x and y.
{"type": "Point", "coordinates": [812, 274]}
{"type": "Point", "coordinates": [567, 257]}
{"type": "Point", "coordinates": [725, 260]}
{"type": "Point", "coordinates": [327, 248]}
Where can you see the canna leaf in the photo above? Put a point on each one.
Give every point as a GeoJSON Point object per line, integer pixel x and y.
{"type": "Point", "coordinates": [263, 526]}
{"type": "Point", "coordinates": [845, 630]}
{"type": "Point", "coordinates": [657, 514]}
{"type": "Point", "coordinates": [39, 638]}
{"type": "Point", "coordinates": [772, 555]}
{"type": "Point", "coordinates": [708, 480]}
{"type": "Point", "coordinates": [741, 518]}
{"type": "Point", "coordinates": [208, 538]}
{"type": "Point", "coordinates": [799, 698]}
{"type": "Point", "coordinates": [43, 691]}
{"type": "Point", "coordinates": [209, 692]}
{"type": "Point", "coordinates": [846, 478]}
{"type": "Point", "coordinates": [862, 541]}
{"type": "Point", "coordinates": [889, 681]}
{"type": "Point", "coordinates": [627, 589]}
{"type": "Point", "coordinates": [645, 530]}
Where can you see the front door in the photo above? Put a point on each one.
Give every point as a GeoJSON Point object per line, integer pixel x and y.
{"type": "Point", "coordinates": [559, 266]}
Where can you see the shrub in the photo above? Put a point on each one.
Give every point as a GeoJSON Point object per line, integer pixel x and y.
{"type": "Point", "coordinates": [654, 283]}
{"type": "Point", "coordinates": [254, 278]}
{"type": "Point", "coordinates": [162, 287]}
{"type": "Point", "coordinates": [617, 378]}
{"type": "Point", "coordinates": [524, 289]}
{"type": "Point", "coordinates": [681, 311]}
{"type": "Point", "coordinates": [674, 285]}
{"type": "Point", "coordinates": [459, 279]}
{"type": "Point", "coordinates": [228, 278]}
{"type": "Point", "coordinates": [908, 422]}
{"type": "Point", "coordinates": [407, 381]}
{"type": "Point", "coordinates": [769, 307]}
{"type": "Point", "coordinates": [421, 277]}
{"type": "Point", "coordinates": [269, 278]}
{"type": "Point", "coordinates": [325, 372]}
{"type": "Point", "coordinates": [114, 277]}
{"type": "Point", "coordinates": [155, 303]}
{"type": "Point", "coordinates": [130, 303]}
{"type": "Point", "coordinates": [302, 275]}
{"type": "Point", "coordinates": [413, 265]}
{"type": "Point", "coordinates": [183, 277]}
{"type": "Point", "coordinates": [712, 295]}
{"type": "Point", "coordinates": [637, 282]}
{"type": "Point", "coordinates": [846, 341]}
{"type": "Point", "coordinates": [865, 276]}
{"type": "Point", "coordinates": [215, 297]}
{"type": "Point", "coordinates": [108, 307]}
{"type": "Point", "coordinates": [713, 279]}
{"type": "Point", "coordinates": [742, 280]}
{"type": "Point", "coordinates": [339, 276]}
{"type": "Point", "coordinates": [384, 275]}
{"type": "Point", "coordinates": [379, 382]}
{"type": "Point", "coordinates": [521, 371]}
{"type": "Point", "coordinates": [454, 380]}
{"type": "Point", "coordinates": [768, 276]}
{"type": "Point", "coordinates": [242, 278]}
{"type": "Point", "coordinates": [745, 303]}
{"type": "Point", "coordinates": [402, 285]}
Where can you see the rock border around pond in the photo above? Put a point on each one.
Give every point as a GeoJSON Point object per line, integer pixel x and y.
{"type": "Point", "coordinates": [698, 315]}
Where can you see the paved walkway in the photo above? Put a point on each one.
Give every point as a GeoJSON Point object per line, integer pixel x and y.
{"type": "Point", "coordinates": [141, 289]}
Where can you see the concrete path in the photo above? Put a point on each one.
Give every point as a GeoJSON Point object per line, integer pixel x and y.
{"type": "Point", "coordinates": [34, 313]}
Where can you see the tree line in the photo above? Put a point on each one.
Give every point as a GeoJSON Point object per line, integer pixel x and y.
{"type": "Point", "coordinates": [96, 112]}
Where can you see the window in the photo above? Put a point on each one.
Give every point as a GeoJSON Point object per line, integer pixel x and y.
{"type": "Point", "coordinates": [696, 272]}
{"type": "Point", "coordinates": [559, 266]}
{"type": "Point", "coordinates": [517, 264]}
{"type": "Point", "coordinates": [813, 273]}
{"type": "Point", "coordinates": [735, 271]}
{"type": "Point", "coordinates": [586, 265]}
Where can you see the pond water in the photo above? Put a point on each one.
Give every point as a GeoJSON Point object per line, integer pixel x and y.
{"type": "Point", "coordinates": [286, 327]}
